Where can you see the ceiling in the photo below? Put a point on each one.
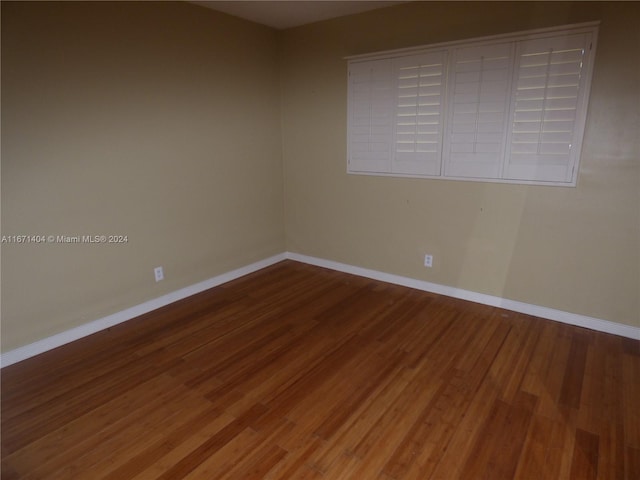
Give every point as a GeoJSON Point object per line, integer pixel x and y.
{"type": "Point", "coordinates": [292, 13]}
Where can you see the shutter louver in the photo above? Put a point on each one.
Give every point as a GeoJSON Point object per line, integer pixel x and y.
{"type": "Point", "coordinates": [418, 120]}
{"type": "Point", "coordinates": [547, 91]}
{"type": "Point", "coordinates": [478, 102]}
{"type": "Point", "coordinates": [371, 116]}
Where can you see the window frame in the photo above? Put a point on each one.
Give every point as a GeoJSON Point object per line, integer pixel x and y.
{"type": "Point", "coordinates": [449, 50]}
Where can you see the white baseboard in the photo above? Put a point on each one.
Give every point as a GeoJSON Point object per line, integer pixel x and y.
{"type": "Point", "coordinates": [521, 307]}
{"type": "Point", "coordinates": [41, 346]}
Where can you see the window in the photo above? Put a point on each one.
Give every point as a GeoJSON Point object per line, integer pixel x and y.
{"type": "Point", "coordinates": [506, 109]}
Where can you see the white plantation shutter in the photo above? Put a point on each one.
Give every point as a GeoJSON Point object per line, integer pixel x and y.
{"type": "Point", "coordinates": [510, 108]}
{"type": "Point", "coordinates": [418, 120]}
{"type": "Point", "coordinates": [548, 101]}
{"type": "Point", "coordinates": [478, 105]}
{"type": "Point", "coordinates": [370, 116]}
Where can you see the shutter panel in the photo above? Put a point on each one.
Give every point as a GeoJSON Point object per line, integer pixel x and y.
{"type": "Point", "coordinates": [549, 83]}
{"type": "Point", "coordinates": [419, 85]}
{"type": "Point", "coordinates": [478, 111]}
{"type": "Point", "coordinates": [370, 116]}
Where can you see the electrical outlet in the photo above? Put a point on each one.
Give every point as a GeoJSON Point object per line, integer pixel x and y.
{"type": "Point", "coordinates": [428, 261]}
{"type": "Point", "coordinates": [159, 274]}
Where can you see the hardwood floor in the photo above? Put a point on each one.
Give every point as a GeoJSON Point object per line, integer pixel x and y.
{"type": "Point", "coordinates": [297, 372]}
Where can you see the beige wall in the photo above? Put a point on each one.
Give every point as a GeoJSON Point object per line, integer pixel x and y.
{"type": "Point", "coordinates": [159, 121]}
{"type": "Point", "coordinates": [572, 249]}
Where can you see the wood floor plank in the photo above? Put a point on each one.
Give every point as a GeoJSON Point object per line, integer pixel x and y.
{"type": "Point", "coordinates": [584, 465]}
{"type": "Point", "coordinates": [28, 426]}
{"type": "Point", "coordinates": [356, 395]}
{"type": "Point", "coordinates": [366, 420]}
{"type": "Point", "coordinates": [259, 458]}
{"type": "Point", "coordinates": [552, 376]}
{"type": "Point", "coordinates": [113, 448]}
{"type": "Point", "coordinates": [177, 442]}
{"type": "Point", "coordinates": [295, 461]}
{"type": "Point", "coordinates": [559, 454]}
{"type": "Point", "coordinates": [632, 464]}
{"type": "Point", "coordinates": [213, 444]}
{"type": "Point", "coordinates": [630, 396]}
{"type": "Point", "coordinates": [611, 453]}
{"type": "Point", "coordinates": [448, 464]}
{"type": "Point", "coordinates": [509, 368]}
{"type": "Point", "coordinates": [571, 390]}
{"type": "Point", "coordinates": [64, 443]}
{"type": "Point", "coordinates": [219, 463]}
{"type": "Point", "coordinates": [532, 462]}
{"type": "Point", "coordinates": [300, 372]}
{"type": "Point", "coordinates": [499, 445]}
{"type": "Point", "coordinates": [537, 365]}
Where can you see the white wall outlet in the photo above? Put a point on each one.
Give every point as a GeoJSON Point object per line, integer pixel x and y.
{"type": "Point", "coordinates": [159, 273]}
{"type": "Point", "coordinates": [428, 261]}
